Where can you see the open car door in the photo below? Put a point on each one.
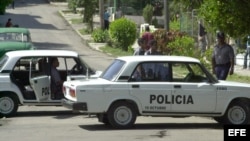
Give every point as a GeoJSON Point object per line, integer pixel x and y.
{"type": "Point", "coordinates": [39, 80]}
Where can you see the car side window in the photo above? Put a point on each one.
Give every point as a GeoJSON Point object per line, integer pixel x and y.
{"type": "Point", "coordinates": [151, 71]}
{"type": "Point", "coordinates": [179, 72]}
{"type": "Point", "coordinates": [188, 72]}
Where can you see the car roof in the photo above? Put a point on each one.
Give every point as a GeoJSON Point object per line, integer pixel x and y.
{"type": "Point", "coordinates": [14, 29]}
{"type": "Point", "coordinates": [21, 53]}
{"type": "Point", "coordinates": [145, 58]}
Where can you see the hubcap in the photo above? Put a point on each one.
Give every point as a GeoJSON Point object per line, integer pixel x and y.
{"type": "Point", "coordinates": [6, 105]}
{"type": "Point", "coordinates": [236, 115]}
{"type": "Point", "coordinates": [123, 115]}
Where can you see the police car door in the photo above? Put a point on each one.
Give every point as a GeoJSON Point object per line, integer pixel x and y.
{"type": "Point", "coordinates": [152, 90]}
{"type": "Point", "coordinates": [38, 78]}
{"type": "Point", "coordinates": [191, 90]}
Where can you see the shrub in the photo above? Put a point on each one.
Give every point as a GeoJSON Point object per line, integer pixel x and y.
{"type": "Point", "coordinates": [183, 45]}
{"type": "Point", "coordinates": [72, 5]}
{"type": "Point", "coordinates": [123, 32]}
{"type": "Point", "coordinates": [100, 35]}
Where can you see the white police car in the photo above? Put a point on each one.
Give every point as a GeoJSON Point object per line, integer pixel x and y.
{"type": "Point", "coordinates": [25, 77]}
{"type": "Point", "coordinates": [174, 86]}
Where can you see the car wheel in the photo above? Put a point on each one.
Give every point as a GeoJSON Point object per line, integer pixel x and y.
{"type": "Point", "coordinates": [238, 113]}
{"type": "Point", "coordinates": [122, 115]}
{"type": "Point", "coordinates": [8, 105]}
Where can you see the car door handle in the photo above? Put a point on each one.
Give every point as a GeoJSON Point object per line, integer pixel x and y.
{"type": "Point", "coordinates": [135, 86]}
{"type": "Point", "coordinates": [177, 86]}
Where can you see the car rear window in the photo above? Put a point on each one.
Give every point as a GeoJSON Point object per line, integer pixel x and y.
{"type": "Point", "coordinates": [112, 71]}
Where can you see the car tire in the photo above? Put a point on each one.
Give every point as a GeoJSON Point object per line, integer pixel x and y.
{"type": "Point", "coordinates": [238, 113]}
{"type": "Point", "coordinates": [8, 105]}
{"type": "Point", "coordinates": [122, 115]}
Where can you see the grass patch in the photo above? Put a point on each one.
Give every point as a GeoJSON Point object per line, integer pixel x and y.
{"type": "Point", "coordinates": [67, 11]}
{"type": "Point", "coordinates": [116, 51]}
{"type": "Point", "coordinates": [238, 78]}
{"type": "Point", "coordinates": [76, 21]}
{"type": "Point", "coordinates": [84, 31]}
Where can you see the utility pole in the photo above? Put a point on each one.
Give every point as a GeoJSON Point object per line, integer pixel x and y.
{"type": "Point", "coordinates": [101, 12]}
{"type": "Point", "coordinates": [166, 15]}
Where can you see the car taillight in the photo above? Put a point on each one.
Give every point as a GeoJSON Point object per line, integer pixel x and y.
{"type": "Point", "coordinates": [72, 93]}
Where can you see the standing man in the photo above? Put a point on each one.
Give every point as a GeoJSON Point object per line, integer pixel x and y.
{"type": "Point", "coordinates": [106, 20]}
{"type": "Point", "coordinates": [222, 58]}
{"type": "Point", "coordinates": [247, 54]}
{"type": "Point", "coordinates": [202, 38]}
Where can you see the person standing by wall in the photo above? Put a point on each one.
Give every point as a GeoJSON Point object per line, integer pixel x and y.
{"type": "Point", "coordinates": [247, 54]}
{"type": "Point", "coordinates": [106, 20]}
{"type": "Point", "coordinates": [222, 58]}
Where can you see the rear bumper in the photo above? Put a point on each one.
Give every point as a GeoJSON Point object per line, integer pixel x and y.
{"type": "Point", "coordinates": [79, 106]}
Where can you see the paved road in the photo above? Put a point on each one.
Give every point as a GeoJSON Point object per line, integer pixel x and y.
{"type": "Point", "coordinates": [50, 31]}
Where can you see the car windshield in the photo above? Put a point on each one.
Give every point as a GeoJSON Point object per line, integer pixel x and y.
{"type": "Point", "coordinates": [18, 37]}
{"type": "Point", "coordinates": [112, 71]}
{"type": "Point", "coordinates": [3, 60]}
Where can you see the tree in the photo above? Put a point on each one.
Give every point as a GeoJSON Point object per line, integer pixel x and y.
{"type": "Point", "coordinates": [232, 17]}
{"type": "Point", "coordinates": [3, 4]}
{"type": "Point", "coordinates": [148, 13]}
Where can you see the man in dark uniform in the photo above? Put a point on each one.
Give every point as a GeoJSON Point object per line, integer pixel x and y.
{"type": "Point", "coordinates": [222, 58]}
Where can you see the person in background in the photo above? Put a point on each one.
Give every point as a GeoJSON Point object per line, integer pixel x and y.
{"type": "Point", "coordinates": [9, 23]}
{"type": "Point", "coordinates": [222, 58]}
{"type": "Point", "coordinates": [152, 48]}
{"type": "Point", "coordinates": [148, 36]}
{"type": "Point", "coordinates": [247, 54]}
{"type": "Point", "coordinates": [202, 38]}
{"type": "Point", "coordinates": [142, 46]}
{"type": "Point", "coordinates": [106, 20]}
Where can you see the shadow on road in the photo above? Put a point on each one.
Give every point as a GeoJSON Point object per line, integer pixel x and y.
{"type": "Point", "coordinates": [47, 45]}
{"type": "Point", "coordinates": [150, 126]}
{"type": "Point", "coordinates": [63, 114]}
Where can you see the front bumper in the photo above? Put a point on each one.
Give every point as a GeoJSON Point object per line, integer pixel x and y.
{"type": "Point", "coordinates": [79, 106]}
